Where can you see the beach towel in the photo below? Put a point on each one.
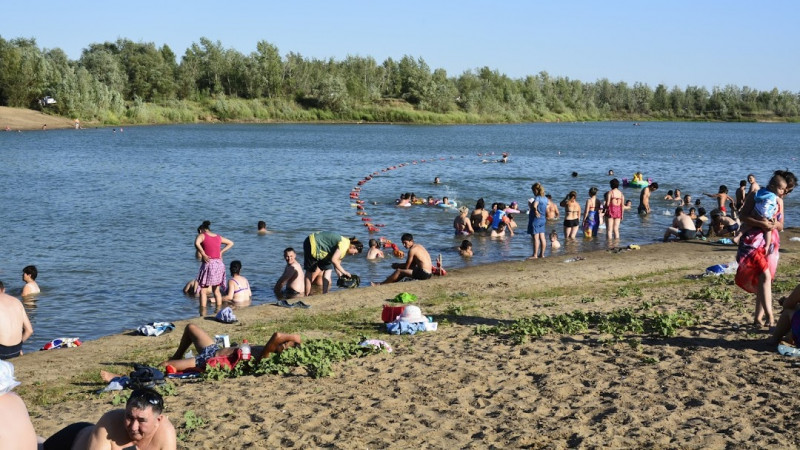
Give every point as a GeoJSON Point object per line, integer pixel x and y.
{"type": "Point", "coordinates": [155, 328]}
{"type": "Point", "coordinates": [62, 343]}
{"type": "Point", "coordinates": [400, 327]}
{"type": "Point", "coordinates": [376, 343]}
{"type": "Point", "coordinates": [228, 362]}
{"type": "Point", "coordinates": [753, 259]}
{"type": "Point", "coordinates": [225, 315]}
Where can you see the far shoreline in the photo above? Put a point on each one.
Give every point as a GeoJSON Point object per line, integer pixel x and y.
{"type": "Point", "coordinates": [21, 119]}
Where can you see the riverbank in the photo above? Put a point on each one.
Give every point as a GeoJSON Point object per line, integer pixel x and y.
{"type": "Point", "coordinates": [20, 119]}
{"type": "Point", "coordinates": [715, 384]}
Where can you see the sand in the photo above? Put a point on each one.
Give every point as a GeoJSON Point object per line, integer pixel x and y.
{"type": "Point", "coordinates": [714, 385]}
{"type": "Point", "coordinates": [27, 119]}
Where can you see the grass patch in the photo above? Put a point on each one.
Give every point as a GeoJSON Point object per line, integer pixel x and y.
{"type": "Point", "coordinates": [316, 356]}
{"type": "Point", "coordinates": [712, 293]}
{"type": "Point", "coordinates": [617, 323]}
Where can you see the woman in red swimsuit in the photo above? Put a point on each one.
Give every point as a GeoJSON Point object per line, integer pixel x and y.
{"type": "Point", "coordinates": [614, 210]}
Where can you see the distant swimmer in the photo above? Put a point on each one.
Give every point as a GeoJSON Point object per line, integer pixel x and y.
{"type": "Point", "coordinates": [262, 227]}
{"type": "Point", "coordinates": [436, 180]}
{"type": "Point", "coordinates": [29, 274]}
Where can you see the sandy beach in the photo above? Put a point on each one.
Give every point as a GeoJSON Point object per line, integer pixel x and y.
{"type": "Point", "coordinates": [17, 119]}
{"type": "Point", "coordinates": [715, 384]}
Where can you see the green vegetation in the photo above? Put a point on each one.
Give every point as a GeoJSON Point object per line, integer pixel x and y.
{"type": "Point", "coordinates": [191, 422]}
{"type": "Point", "coordinates": [136, 82]}
{"type": "Point", "coordinates": [316, 356]}
{"type": "Point", "coordinates": [617, 323]}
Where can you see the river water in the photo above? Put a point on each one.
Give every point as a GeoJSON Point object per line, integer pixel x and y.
{"type": "Point", "coordinates": [109, 216]}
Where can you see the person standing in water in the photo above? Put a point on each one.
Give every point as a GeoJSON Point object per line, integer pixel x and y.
{"type": "Point", "coordinates": [614, 210]}
{"type": "Point", "coordinates": [212, 269]}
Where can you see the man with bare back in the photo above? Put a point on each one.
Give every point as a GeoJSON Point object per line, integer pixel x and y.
{"type": "Point", "coordinates": [417, 266]}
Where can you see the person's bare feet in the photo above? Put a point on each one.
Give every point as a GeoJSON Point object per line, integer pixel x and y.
{"type": "Point", "coordinates": [107, 376]}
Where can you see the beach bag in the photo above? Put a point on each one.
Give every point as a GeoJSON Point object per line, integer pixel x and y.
{"type": "Point", "coordinates": [145, 377]}
{"type": "Point", "coordinates": [390, 313]}
{"type": "Point", "coordinates": [226, 362]}
{"type": "Point", "coordinates": [350, 282]}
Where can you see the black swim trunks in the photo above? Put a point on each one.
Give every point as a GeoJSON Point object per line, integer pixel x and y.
{"type": "Point", "coordinates": [8, 352]}
{"type": "Point", "coordinates": [569, 223]}
{"type": "Point", "coordinates": [419, 274]}
{"type": "Point", "coordinates": [64, 438]}
{"type": "Point", "coordinates": [687, 235]}
{"type": "Point", "coordinates": [642, 210]}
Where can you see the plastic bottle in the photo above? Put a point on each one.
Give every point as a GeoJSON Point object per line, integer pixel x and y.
{"type": "Point", "coordinates": [245, 347]}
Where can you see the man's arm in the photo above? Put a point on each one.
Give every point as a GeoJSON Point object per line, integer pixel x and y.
{"type": "Point", "coordinates": [27, 328]}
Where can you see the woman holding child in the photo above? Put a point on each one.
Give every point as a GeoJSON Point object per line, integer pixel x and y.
{"type": "Point", "coordinates": [759, 244]}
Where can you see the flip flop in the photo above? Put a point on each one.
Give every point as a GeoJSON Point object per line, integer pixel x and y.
{"type": "Point", "coordinates": [300, 304]}
{"type": "Point", "coordinates": [786, 350]}
{"type": "Point", "coordinates": [283, 303]}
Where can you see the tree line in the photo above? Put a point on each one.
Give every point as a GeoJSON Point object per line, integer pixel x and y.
{"type": "Point", "coordinates": [135, 82]}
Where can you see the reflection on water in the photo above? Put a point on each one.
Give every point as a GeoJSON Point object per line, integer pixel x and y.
{"type": "Point", "coordinates": [110, 218]}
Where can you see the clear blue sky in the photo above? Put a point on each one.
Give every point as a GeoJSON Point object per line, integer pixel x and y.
{"type": "Point", "coordinates": [676, 42]}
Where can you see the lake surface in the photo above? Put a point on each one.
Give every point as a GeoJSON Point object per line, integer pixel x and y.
{"type": "Point", "coordinates": [109, 217]}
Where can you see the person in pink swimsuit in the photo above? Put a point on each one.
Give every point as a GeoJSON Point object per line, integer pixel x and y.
{"type": "Point", "coordinates": [614, 210]}
{"type": "Point", "coordinates": [212, 269]}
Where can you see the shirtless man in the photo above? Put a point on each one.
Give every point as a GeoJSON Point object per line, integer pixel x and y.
{"type": "Point", "coordinates": [682, 226]}
{"type": "Point", "coordinates": [417, 266]}
{"type": "Point", "coordinates": [262, 228]}
{"type": "Point", "coordinates": [741, 193]}
{"type": "Point", "coordinates": [207, 348]}
{"type": "Point", "coordinates": [644, 198]}
{"type": "Point", "coordinates": [140, 425]}
{"type": "Point", "coordinates": [722, 225]}
{"type": "Point", "coordinates": [291, 283]}
{"type": "Point", "coordinates": [723, 199]}
{"type": "Point", "coordinates": [29, 274]}
{"type": "Point", "coordinates": [552, 209]}
{"type": "Point", "coordinates": [16, 429]}
{"type": "Point", "coordinates": [15, 327]}
{"type": "Point", "coordinates": [753, 184]}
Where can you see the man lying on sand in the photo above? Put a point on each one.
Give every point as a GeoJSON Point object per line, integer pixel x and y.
{"type": "Point", "coordinates": [207, 348]}
{"type": "Point", "coordinates": [139, 425]}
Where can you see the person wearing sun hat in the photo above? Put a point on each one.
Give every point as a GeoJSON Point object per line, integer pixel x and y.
{"type": "Point", "coordinates": [16, 429]}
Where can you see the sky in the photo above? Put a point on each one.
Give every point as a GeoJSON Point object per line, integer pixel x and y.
{"type": "Point", "coordinates": [675, 43]}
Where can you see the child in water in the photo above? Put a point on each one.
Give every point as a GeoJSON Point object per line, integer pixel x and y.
{"type": "Point", "coordinates": [374, 251]}
{"type": "Point", "coordinates": [466, 248]}
{"type": "Point", "coordinates": [554, 244]}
